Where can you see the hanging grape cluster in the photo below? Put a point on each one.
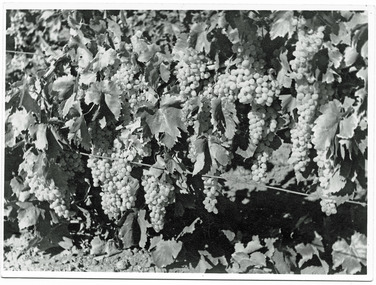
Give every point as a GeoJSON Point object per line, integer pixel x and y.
{"type": "Point", "coordinates": [158, 195]}
{"type": "Point", "coordinates": [112, 172]}
{"type": "Point", "coordinates": [212, 188]}
{"type": "Point", "coordinates": [190, 70]}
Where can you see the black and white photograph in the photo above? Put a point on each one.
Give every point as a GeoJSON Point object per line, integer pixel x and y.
{"type": "Point", "coordinates": [199, 143]}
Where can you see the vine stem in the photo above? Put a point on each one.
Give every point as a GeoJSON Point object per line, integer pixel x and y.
{"type": "Point", "coordinates": [21, 52]}
{"type": "Point", "coordinates": [219, 177]}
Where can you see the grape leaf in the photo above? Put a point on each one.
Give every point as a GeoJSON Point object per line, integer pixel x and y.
{"type": "Point", "coordinates": [251, 247]}
{"type": "Point", "coordinates": [326, 125]}
{"type": "Point", "coordinates": [190, 229]}
{"type": "Point", "coordinates": [113, 102]}
{"type": "Point", "coordinates": [126, 233]}
{"type": "Point", "coordinates": [85, 58]}
{"type": "Point", "coordinates": [114, 28]}
{"type": "Point", "coordinates": [21, 120]}
{"type": "Point", "coordinates": [350, 56]}
{"type": "Point", "coordinates": [363, 74]}
{"type": "Point", "coordinates": [164, 70]}
{"type": "Point", "coordinates": [198, 30]}
{"type": "Point", "coordinates": [283, 77]}
{"type": "Point", "coordinates": [27, 101]}
{"type": "Point", "coordinates": [343, 35]}
{"type": "Point", "coordinates": [288, 103]}
{"type": "Point", "coordinates": [166, 120]}
{"type": "Point", "coordinates": [166, 252]}
{"type": "Point", "coordinates": [249, 152]}
{"type": "Point", "coordinates": [29, 216]}
{"type": "Point", "coordinates": [282, 25]}
{"type": "Point", "coordinates": [145, 51]}
{"type": "Point", "coordinates": [17, 186]}
{"type": "Point", "coordinates": [269, 243]}
{"type": "Point", "coordinates": [306, 251]}
{"type": "Point", "coordinates": [103, 58]}
{"type": "Point", "coordinates": [71, 104]}
{"type": "Point", "coordinates": [313, 270]}
{"type": "Point", "coordinates": [203, 160]}
{"type": "Point", "coordinates": [231, 119]}
{"type": "Point", "coordinates": [64, 86]}
{"type": "Point", "coordinates": [335, 56]}
{"type": "Point", "coordinates": [40, 131]}
{"type": "Point", "coordinates": [144, 225]}
{"type": "Point", "coordinates": [281, 264]}
{"type": "Point", "coordinates": [97, 246]}
{"type": "Point", "coordinates": [347, 127]}
{"type": "Point", "coordinates": [181, 46]}
{"type": "Point", "coordinates": [350, 256]}
{"type": "Point", "coordinates": [87, 78]}
{"type": "Point", "coordinates": [229, 235]}
{"type": "Point", "coordinates": [337, 182]}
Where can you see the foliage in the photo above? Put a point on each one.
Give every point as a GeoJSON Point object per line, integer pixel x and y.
{"type": "Point", "coordinates": [197, 112]}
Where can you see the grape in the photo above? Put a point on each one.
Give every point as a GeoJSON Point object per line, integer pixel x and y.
{"type": "Point", "coordinates": [112, 173]}
{"type": "Point", "coordinates": [259, 166]}
{"type": "Point", "coordinates": [46, 190]}
{"type": "Point", "coordinates": [158, 195]}
{"type": "Point", "coordinates": [309, 43]}
{"type": "Point", "coordinates": [71, 163]}
{"type": "Point", "coordinates": [211, 190]}
{"type": "Point", "coordinates": [328, 206]}
{"type": "Point", "coordinates": [190, 70]}
{"type": "Point", "coordinates": [192, 153]}
{"type": "Point", "coordinates": [256, 125]}
{"type": "Point", "coordinates": [126, 77]}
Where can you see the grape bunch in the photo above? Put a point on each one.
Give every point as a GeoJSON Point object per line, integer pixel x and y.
{"type": "Point", "coordinates": [301, 134]}
{"type": "Point", "coordinates": [71, 163]}
{"type": "Point", "coordinates": [212, 188]}
{"type": "Point", "coordinates": [308, 44]}
{"type": "Point", "coordinates": [46, 190]}
{"type": "Point", "coordinates": [326, 168]}
{"type": "Point", "coordinates": [188, 115]}
{"type": "Point", "coordinates": [192, 152]}
{"type": "Point", "coordinates": [261, 89]}
{"type": "Point", "coordinates": [111, 170]}
{"type": "Point", "coordinates": [126, 77]}
{"type": "Point", "coordinates": [190, 70]}
{"type": "Point", "coordinates": [263, 124]}
{"type": "Point", "coordinates": [259, 166]}
{"type": "Point", "coordinates": [247, 85]}
{"type": "Point", "coordinates": [328, 206]}
{"type": "Point", "coordinates": [158, 195]}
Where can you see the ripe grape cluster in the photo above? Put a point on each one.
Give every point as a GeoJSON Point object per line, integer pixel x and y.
{"type": "Point", "coordinates": [126, 77]}
{"type": "Point", "coordinates": [259, 166]}
{"type": "Point", "coordinates": [158, 195]}
{"type": "Point", "coordinates": [71, 163]}
{"type": "Point", "coordinates": [111, 170]}
{"type": "Point", "coordinates": [190, 70]}
{"type": "Point", "coordinates": [212, 188]}
{"type": "Point", "coordinates": [328, 206]}
{"type": "Point", "coordinates": [247, 85]}
{"type": "Point", "coordinates": [301, 134]}
{"type": "Point", "coordinates": [308, 44]}
{"type": "Point", "coordinates": [46, 190]}
{"type": "Point", "coordinates": [192, 153]}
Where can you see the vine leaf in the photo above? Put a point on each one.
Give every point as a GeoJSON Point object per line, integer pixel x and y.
{"type": "Point", "coordinates": [21, 120]}
{"type": "Point", "coordinates": [28, 216]}
{"type": "Point", "coordinates": [307, 251]}
{"type": "Point", "coordinates": [282, 25]}
{"type": "Point", "coordinates": [347, 127]}
{"type": "Point", "coordinates": [166, 252]}
{"type": "Point", "coordinates": [27, 101]}
{"type": "Point", "coordinates": [288, 103]}
{"type": "Point", "coordinates": [84, 57]}
{"type": "Point", "coordinates": [326, 125]}
{"type": "Point", "coordinates": [126, 233]}
{"type": "Point", "coordinates": [113, 102]}
{"type": "Point", "coordinates": [249, 152]}
{"type": "Point", "coordinates": [282, 77]}
{"type": "Point", "coordinates": [144, 225]}
{"type": "Point", "coordinates": [203, 160]}
{"type": "Point", "coordinates": [88, 78]}
{"type": "Point", "coordinates": [181, 46]}
{"type": "Point", "coordinates": [164, 70]}
{"type": "Point", "coordinates": [350, 56]}
{"type": "Point", "coordinates": [198, 31]}
{"type": "Point", "coordinates": [231, 120]}
{"type": "Point", "coordinates": [40, 132]}
{"type": "Point", "coordinates": [350, 257]}
{"type": "Point", "coordinates": [249, 255]}
{"type": "Point", "coordinates": [94, 93]}
{"type": "Point", "coordinates": [103, 58]}
{"type": "Point", "coordinates": [218, 153]}
{"type": "Point", "coordinates": [97, 246]}
{"type": "Point", "coordinates": [190, 229]}
{"type": "Point", "coordinates": [64, 86]}
{"type": "Point", "coordinates": [143, 49]}
{"type": "Point", "coordinates": [343, 35]}
{"type": "Point", "coordinates": [166, 120]}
